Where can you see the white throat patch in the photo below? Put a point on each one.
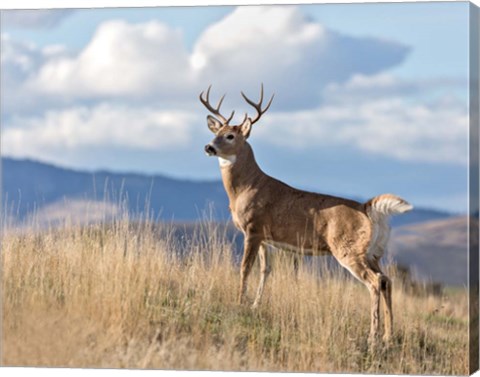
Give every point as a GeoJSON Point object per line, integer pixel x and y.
{"type": "Point", "coordinates": [227, 160]}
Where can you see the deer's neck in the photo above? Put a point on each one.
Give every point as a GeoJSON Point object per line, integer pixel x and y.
{"type": "Point", "coordinates": [240, 172]}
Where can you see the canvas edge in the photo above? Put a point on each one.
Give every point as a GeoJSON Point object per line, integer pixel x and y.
{"type": "Point", "coordinates": [473, 266]}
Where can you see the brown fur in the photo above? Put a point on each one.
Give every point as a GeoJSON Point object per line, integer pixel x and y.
{"type": "Point", "coordinates": [268, 211]}
{"type": "Point", "coordinates": [266, 208]}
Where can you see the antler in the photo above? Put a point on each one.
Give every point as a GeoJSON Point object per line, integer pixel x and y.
{"type": "Point", "coordinates": [258, 106]}
{"type": "Point", "coordinates": [215, 111]}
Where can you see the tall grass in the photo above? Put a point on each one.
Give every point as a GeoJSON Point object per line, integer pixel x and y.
{"type": "Point", "coordinates": [120, 295]}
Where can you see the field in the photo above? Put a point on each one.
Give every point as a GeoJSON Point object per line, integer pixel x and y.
{"type": "Point", "coordinates": [123, 296]}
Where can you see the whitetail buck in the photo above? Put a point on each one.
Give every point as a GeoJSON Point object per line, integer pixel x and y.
{"type": "Point", "coordinates": [269, 212]}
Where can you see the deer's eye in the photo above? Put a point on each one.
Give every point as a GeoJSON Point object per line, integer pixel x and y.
{"type": "Point", "coordinates": [230, 137]}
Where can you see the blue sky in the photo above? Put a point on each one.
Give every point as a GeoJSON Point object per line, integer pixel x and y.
{"type": "Point", "coordinates": [370, 98]}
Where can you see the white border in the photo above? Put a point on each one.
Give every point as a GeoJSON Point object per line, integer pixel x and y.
{"type": "Point", "coordinates": [49, 4]}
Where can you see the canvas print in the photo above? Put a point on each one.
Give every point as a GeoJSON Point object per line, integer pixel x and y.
{"type": "Point", "coordinates": [282, 188]}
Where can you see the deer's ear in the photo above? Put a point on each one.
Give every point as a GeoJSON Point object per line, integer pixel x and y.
{"type": "Point", "coordinates": [214, 124]}
{"type": "Point", "coordinates": [245, 127]}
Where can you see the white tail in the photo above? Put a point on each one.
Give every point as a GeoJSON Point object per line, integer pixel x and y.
{"type": "Point", "coordinates": [387, 204]}
{"type": "Point", "coordinates": [379, 209]}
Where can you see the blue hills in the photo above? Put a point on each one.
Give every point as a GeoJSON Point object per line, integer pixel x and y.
{"type": "Point", "coordinates": [29, 186]}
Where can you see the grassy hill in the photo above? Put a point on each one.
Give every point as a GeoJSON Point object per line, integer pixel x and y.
{"type": "Point", "coordinates": [120, 296]}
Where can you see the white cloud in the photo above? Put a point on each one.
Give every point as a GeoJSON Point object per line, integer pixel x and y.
{"type": "Point", "coordinates": [248, 32]}
{"type": "Point", "coordinates": [281, 47]}
{"type": "Point", "coordinates": [20, 62]}
{"type": "Point", "coordinates": [122, 59]}
{"type": "Point", "coordinates": [327, 85]}
{"type": "Point", "coordinates": [391, 126]}
{"type": "Point", "coordinates": [360, 87]}
{"type": "Point", "coordinates": [35, 18]}
{"type": "Point", "coordinates": [277, 45]}
{"type": "Point", "coordinates": [100, 127]}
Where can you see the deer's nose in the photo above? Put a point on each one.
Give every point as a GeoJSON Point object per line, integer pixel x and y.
{"type": "Point", "coordinates": [210, 150]}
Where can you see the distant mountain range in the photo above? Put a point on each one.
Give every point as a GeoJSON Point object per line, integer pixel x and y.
{"type": "Point", "coordinates": [31, 186]}
{"type": "Point", "coordinates": [435, 249]}
{"type": "Point", "coordinates": [34, 186]}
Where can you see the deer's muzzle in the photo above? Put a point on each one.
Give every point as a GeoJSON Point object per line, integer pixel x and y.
{"type": "Point", "coordinates": [210, 150]}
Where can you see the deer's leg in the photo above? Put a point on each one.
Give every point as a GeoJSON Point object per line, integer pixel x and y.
{"type": "Point", "coordinates": [372, 280]}
{"type": "Point", "coordinates": [386, 288]}
{"type": "Point", "coordinates": [386, 292]}
{"type": "Point", "coordinates": [249, 254]}
{"type": "Point", "coordinates": [374, 312]}
{"type": "Point", "coordinates": [264, 272]}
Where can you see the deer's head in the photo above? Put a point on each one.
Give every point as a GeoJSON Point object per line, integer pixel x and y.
{"type": "Point", "coordinates": [229, 139]}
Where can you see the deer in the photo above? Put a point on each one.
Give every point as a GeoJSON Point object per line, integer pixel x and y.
{"type": "Point", "coordinates": [271, 213]}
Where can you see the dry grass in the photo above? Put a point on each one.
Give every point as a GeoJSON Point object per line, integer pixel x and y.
{"type": "Point", "coordinates": [118, 296]}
